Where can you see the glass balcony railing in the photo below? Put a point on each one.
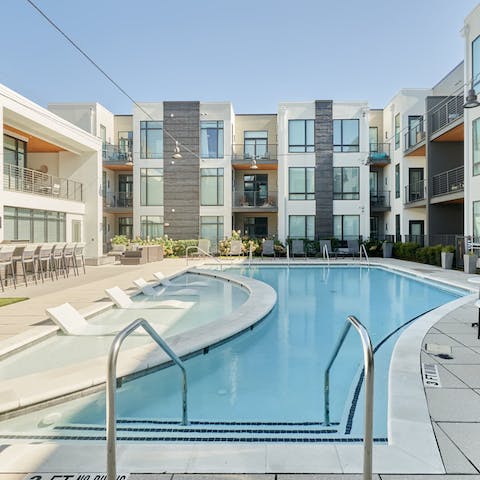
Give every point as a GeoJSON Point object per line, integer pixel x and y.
{"type": "Point", "coordinates": [380, 199]}
{"type": "Point", "coordinates": [414, 136]}
{"type": "Point", "coordinates": [117, 154]}
{"type": "Point", "coordinates": [416, 191]}
{"type": "Point", "coordinates": [118, 200]}
{"type": "Point", "coordinates": [255, 199]}
{"type": "Point", "coordinates": [26, 180]}
{"type": "Point", "coordinates": [256, 152]}
{"type": "Point", "coordinates": [450, 110]}
{"type": "Point", "coordinates": [451, 181]}
{"type": "Point", "coordinates": [379, 154]}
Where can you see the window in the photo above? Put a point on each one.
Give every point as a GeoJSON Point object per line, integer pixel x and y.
{"type": "Point", "coordinates": [301, 183]}
{"type": "Point", "coordinates": [415, 129]}
{"type": "Point", "coordinates": [255, 190]}
{"type": "Point", "coordinates": [346, 227]}
{"type": "Point", "coordinates": [373, 139]}
{"type": "Point", "coordinates": [103, 136]}
{"type": "Point", "coordinates": [211, 139]}
{"type": "Point", "coordinates": [476, 64]}
{"type": "Point", "coordinates": [125, 142]}
{"type": "Point", "coordinates": [397, 131]}
{"type": "Point", "coordinates": [125, 226]}
{"type": "Point", "coordinates": [398, 236]}
{"type": "Point", "coordinates": [476, 146]}
{"type": "Point", "coordinates": [255, 227]}
{"type": "Point", "coordinates": [211, 186]}
{"type": "Point", "coordinates": [125, 191]}
{"type": "Point", "coordinates": [301, 226]}
{"type": "Point", "coordinates": [211, 227]}
{"type": "Point", "coordinates": [476, 221]}
{"type": "Point", "coordinates": [76, 231]}
{"type": "Point", "coordinates": [256, 144]}
{"type": "Point", "coordinates": [151, 139]}
{"type": "Point", "coordinates": [34, 225]}
{"type": "Point", "coordinates": [14, 152]}
{"type": "Point", "coordinates": [151, 226]}
{"type": "Point", "coordinates": [151, 186]}
{"type": "Point", "coordinates": [301, 136]}
{"type": "Point", "coordinates": [397, 180]}
{"type": "Point", "coordinates": [346, 135]}
{"type": "Point", "coordinates": [346, 183]}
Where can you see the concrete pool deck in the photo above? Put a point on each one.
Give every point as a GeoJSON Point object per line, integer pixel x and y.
{"type": "Point", "coordinates": [454, 407]}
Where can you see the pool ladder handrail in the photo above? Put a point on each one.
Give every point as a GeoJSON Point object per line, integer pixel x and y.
{"type": "Point", "coordinates": [112, 382]}
{"type": "Point", "coordinates": [369, 372]}
{"type": "Point", "coordinates": [326, 255]}
{"type": "Point", "coordinates": [364, 250]}
{"type": "Point", "coordinates": [288, 254]}
{"type": "Point", "coordinates": [204, 252]}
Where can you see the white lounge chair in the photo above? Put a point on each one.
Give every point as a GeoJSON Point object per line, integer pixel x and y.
{"type": "Point", "coordinates": [149, 290]}
{"type": "Point", "coordinates": [167, 283]}
{"type": "Point", "coordinates": [122, 300]}
{"type": "Point", "coordinates": [71, 322]}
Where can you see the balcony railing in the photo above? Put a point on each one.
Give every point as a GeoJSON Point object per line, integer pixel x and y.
{"type": "Point", "coordinates": [118, 200]}
{"type": "Point", "coordinates": [255, 199]}
{"type": "Point", "coordinates": [414, 136]}
{"type": "Point", "coordinates": [254, 152]}
{"type": "Point", "coordinates": [115, 154]}
{"type": "Point", "coordinates": [451, 181]}
{"type": "Point", "coordinates": [26, 180]}
{"type": "Point", "coordinates": [416, 191]}
{"type": "Point", "coordinates": [380, 199]}
{"type": "Point", "coordinates": [379, 153]}
{"type": "Point", "coordinates": [447, 112]}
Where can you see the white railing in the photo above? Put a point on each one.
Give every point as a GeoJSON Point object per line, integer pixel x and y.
{"type": "Point", "coordinates": [199, 250]}
{"type": "Point", "coordinates": [326, 255]}
{"type": "Point", "coordinates": [364, 250]}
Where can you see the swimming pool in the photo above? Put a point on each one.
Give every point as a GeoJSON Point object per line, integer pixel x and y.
{"type": "Point", "coordinates": [267, 384]}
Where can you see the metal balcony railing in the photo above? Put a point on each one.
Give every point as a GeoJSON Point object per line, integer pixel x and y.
{"type": "Point", "coordinates": [416, 191]}
{"type": "Point", "coordinates": [254, 152]}
{"type": "Point", "coordinates": [26, 180]}
{"type": "Point", "coordinates": [447, 112]}
{"type": "Point", "coordinates": [255, 199]}
{"type": "Point", "coordinates": [380, 199]}
{"type": "Point", "coordinates": [414, 136]}
{"type": "Point", "coordinates": [118, 200]}
{"type": "Point", "coordinates": [379, 153]}
{"type": "Point", "coordinates": [116, 154]}
{"type": "Point", "coordinates": [451, 181]}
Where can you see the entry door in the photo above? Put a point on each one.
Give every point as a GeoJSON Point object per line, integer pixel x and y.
{"type": "Point", "coordinates": [255, 227]}
{"type": "Point", "coordinates": [374, 223]}
{"type": "Point", "coordinates": [415, 182]}
{"type": "Point", "coordinates": [125, 190]}
{"type": "Point", "coordinates": [414, 129]}
{"type": "Point", "coordinates": [255, 188]}
{"type": "Point", "coordinates": [76, 231]}
{"type": "Point", "coordinates": [416, 230]}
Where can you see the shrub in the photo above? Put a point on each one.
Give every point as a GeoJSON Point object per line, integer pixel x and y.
{"type": "Point", "coordinates": [120, 240]}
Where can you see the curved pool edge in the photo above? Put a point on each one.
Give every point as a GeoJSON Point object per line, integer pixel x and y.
{"type": "Point", "coordinates": [22, 393]}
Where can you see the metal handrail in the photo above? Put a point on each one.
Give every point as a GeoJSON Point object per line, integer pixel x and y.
{"type": "Point", "coordinates": [369, 371]}
{"type": "Point", "coordinates": [204, 252]}
{"type": "Point", "coordinates": [288, 254]}
{"type": "Point", "coordinates": [362, 248]}
{"type": "Point", "coordinates": [111, 384]}
{"type": "Point", "coordinates": [326, 254]}
{"type": "Point", "coordinates": [451, 181]}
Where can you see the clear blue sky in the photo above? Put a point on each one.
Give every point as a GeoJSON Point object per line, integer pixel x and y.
{"type": "Point", "coordinates": [253, 53]}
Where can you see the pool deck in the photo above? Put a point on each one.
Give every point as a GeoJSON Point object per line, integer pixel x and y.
{"type": "Point", "coordinates": [454, 407]}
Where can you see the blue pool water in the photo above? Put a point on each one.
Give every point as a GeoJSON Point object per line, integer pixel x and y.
{"type": "Point", "coordinates": [272, 377]}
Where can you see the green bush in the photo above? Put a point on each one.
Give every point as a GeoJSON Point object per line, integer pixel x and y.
{"type": "Point", "coordinates": [374, 248]}
{"type": "Point", "coordinates": [120, 240]}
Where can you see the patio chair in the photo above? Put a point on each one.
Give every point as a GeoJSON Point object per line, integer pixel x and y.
{"type": "Point", "coordinates": [6, 260]}
{"type": "Point", "coordinates": [71, 322]}
{"type": "Point", "coordinates": [203, 247]}
{"type": "Point", "coordinates": [149, 290]}
{"type": "Point", "coordinates": [353, 248]}
{"type": "Point", "coordinates": [68, 258]}
{"type": "Point", "coordinates": [29, 257]}
{"type": "Point", "coordinates": [58, 260]}
{"type": "Point", "coordinates": [298, 248]}
{"type": "Point", "coordinates": [45, 261]}
{"type": "Point", "coordinates": [235, 248]}
{"type": "Point", "coordinates": [166, 282]}
{"type": "Point", "coordinates": [328, 244]}
{"type": "Point", "coordinates": [79, 256]}
{"type": "Point", "coordinates": [122, 300]}
{"type": "Point", "coordinates": [268, 248]}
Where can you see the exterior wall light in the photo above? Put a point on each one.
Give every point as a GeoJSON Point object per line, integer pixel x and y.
{"type": "Point", "coordinates": [176, 152]}
{"type": "Point", "coordinates": [471, 100]}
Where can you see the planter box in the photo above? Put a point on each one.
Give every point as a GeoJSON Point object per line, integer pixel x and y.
{"type": "Point", "coordinates": [447, 260]}
{"type": "Point", "coordinates": [470, 264]}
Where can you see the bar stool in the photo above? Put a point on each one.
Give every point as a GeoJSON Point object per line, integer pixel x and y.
{"type": "Point", "coordinates": [29, 257]}
{"type": "Point", "coordinates": [79, 256]}
{"type": "Point", "coordinates": [6, 260]}
{"type": "Point", "coordinates": [45, 259]}
{"type": "Point", "coordinates": [68, 258]}
{"type": "Point", "coordinates": [58, 261]}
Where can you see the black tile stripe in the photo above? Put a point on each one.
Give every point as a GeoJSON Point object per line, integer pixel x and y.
{"type": "Point", "coordinates": [202, 422]}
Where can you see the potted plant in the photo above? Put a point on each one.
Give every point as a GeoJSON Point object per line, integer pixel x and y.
{"type": "Point", "coordinates": [447, 256]}
{"type": "Point", "coordinates": [470, 262]}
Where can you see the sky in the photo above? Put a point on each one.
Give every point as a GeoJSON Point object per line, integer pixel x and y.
{"type": "Point", "coordinates": [254, 53]}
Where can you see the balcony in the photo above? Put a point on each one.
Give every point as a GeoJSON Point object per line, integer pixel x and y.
{"type": "Point", "coordinates": [118, 200]}
{"type": "Point", "coordinates": [26, 180]}
{"type": "Point", "coordinates": [379, 154]}
{"type": "Point", "coordinates": [446, 120]}
{"type": "Point", "coordinates": [449, 183]}
{"type": "Point", "coordinates": [254, 156]}
{"type": "Point", "coordinates": [415, 141]}
{"type": "Point", "coordinates": [117, 157]}
{"type": "Point", "coordinates": [380, 201]}
{"type": "Point", "coordinates": [261, 201]}
{"type": "Point", "coordinates": [416, 193]}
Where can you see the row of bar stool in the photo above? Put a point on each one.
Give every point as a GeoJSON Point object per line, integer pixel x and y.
{"type": "Point", "coordinates": [47, 259]}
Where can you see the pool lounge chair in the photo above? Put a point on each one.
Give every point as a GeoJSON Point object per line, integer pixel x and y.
{"type": "Point", "coordinates": [353, 248]}
{"type": "Point", "coordinates": [150, 291]}
{"type": "Point", "coordinates": [235, 248]}
{"type": "Point", "coordinates": [71, 322]}
{"type": "Point", "coordinates": [298, 248]}
{"type": "Point", "coordinates": [166, 282]}
{"type": "Point", "coordinates": [268, 248]}
{"type": "Point", "coordinates": [328, 244]}
{"type": "Point", "coordinates": [122, 300]}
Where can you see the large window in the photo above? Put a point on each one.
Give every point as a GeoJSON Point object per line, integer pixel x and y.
{"type": "Point", "coordinates": [476, 64]}
{"type": "Point", "coordinates": [34, 225]}
{"type": "Point", "coordinates": [103, 136]}
{"type": "Point", "coordinates": [211, 139]}
{"type": "Point", "coordinates": [301, 136]}
{"type": "Point", "coordinates": [301, 183]}
{"type": "Point", "coordinates": [151, 186]}
{"type": "Point", "coordinates": [125, 141]}
{"type": "Point", "coordinates": [476, 220]}
{"type": "Point", "coordinates": [373, 138]}
{"type": "Point", "coordinates": [476, 146]}
{"type": "Point", "coordinates": [397, 131]}
{"type": "Point", "coordinates": [301, 226]}
{"type": "Point", "coordinates": [151, 226]}
{"type": "Point", "coordinates": [211, 186]}
{"type": "Point", "coordinates": [125, 226]}
{"type": "Point", "coordinates": [256, 144]}
{"type": "Point", "coordinates": [397, 180]}
{"type": "Point", "coordinates": [14, 151]}
{"type": "Point", "coordinates": [346, 136]}
{"type": "Point", "coordinates": [151, 139]}
{"type": "Point", "coordinates": [211, 227]}
{"type": "Point", "coordinates": [346, 183]}
{"type": "Point", "coordinates": [346, 227]}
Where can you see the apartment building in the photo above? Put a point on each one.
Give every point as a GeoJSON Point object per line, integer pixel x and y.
{"type": "Point", "coordinates": [51, 189]}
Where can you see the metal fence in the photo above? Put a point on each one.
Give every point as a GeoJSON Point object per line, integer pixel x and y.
{"type": "Point", "coordinates": [255, 199]}
{"type": "Point", "coordinates": [118, 200]}
{"type": "Point", "coordinates": [450, 181]}
{"type": "Point", "coordinates": [254, 151]}
{"type": "Point", "coordinates": [447, 112]}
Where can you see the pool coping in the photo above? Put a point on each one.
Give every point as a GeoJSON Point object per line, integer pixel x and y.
{"type": "Point", "coordinates": [409, 449]}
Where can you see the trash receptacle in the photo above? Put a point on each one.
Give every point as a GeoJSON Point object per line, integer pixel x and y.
{"type": "Point", "coordinates": [387, 249]}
